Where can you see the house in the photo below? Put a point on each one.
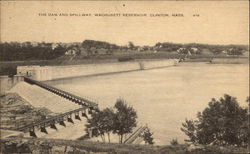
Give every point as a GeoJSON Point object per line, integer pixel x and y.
{"type": "Point", "coordinates": [83, 51]}
{"type": "Point", "coordinates": [246, 53]}
{"type": "Point", "coordinates": [93, 51]}
{"type": "Point", "coordinates": [54, 45]}
{"type": "Point", "coordinates": [180, 50]}
{"type": "Point", "coordinates": [235, 51]}
{"type": "Point", "coordinates": [183, 51]}
{"type": "Point", "coordinates": [70, 52]}
{"type": "Point", "coordinates": [102, 51]}
{"type": "Point", "coordinates": [194, 50]}
{"type": "Point", "coordinates": [224, 51]}
{"type": "Point", "coordinates": [140, 49]}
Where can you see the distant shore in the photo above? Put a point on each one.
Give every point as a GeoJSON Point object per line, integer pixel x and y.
{"type": "Point", "coordinates": [9, 67]}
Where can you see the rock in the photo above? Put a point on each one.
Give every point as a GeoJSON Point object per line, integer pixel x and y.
{"type": "Point", "coordinates": [69, 149]}
{"type": "Point", "coordinates": [98, 153]}
{"type": "Point", "coordinates": [58, 149]}
{"type": "Point", "coordinates": [194, 147]}
{"type": "Point", "coordinates": [80, 151]}
{"type": "Point", "coordinates": [19, 144]}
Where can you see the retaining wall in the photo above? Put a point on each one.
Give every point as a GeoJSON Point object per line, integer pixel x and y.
{"type": "Point", "coordinates": [230, 60]}
{"type": "Point", "coordinates": [6, 82]}
{"type": "Point", "coordinates": [43, 73]}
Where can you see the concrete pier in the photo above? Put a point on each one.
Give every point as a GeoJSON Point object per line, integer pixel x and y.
{"type": "Point", "coordinates": [6, 82]}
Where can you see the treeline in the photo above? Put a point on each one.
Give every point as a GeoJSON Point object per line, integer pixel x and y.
{"type": "Point", "coordinates": [15, 51]}
{"type": "Point", "coordinates": [87, 44]}
{"type": "Point", "coordinates": [27, 51]}
{"type": "Point", "coordinates": [215, 49]}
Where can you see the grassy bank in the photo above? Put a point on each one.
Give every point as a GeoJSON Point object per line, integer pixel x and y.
{"type": "Point", "coordinates": [21, 145]}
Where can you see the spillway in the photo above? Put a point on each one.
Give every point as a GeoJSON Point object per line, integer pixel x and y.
{"type": "Point", "coordinates": [39, 97]}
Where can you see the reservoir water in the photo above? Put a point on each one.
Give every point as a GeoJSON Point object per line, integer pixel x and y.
{"type": "Point", "coordinates": [164, 98]}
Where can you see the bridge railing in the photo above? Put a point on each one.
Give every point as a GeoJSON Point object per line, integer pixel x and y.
{"type": "Point", "coordinates": [72, 97]}
{"type": "Point", "coordinates": [51, 120]}
{"type": "Point", "coordinates": [136, 134]}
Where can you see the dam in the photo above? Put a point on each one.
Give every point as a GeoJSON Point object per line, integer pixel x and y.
{"type": "Point", "coordinates": [163, 97]}
{"type": "Point", "coordinates": [27, 83]}
{"type": "Point", "coordinates": [66, 107]}
{"type": "Point", "coordinates": [45, 73]}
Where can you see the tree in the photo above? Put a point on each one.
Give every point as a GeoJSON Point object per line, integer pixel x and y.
{"type": "Point", "coordinates": [108, 121]}
{"type": "Point", "coordinates": [247, 124]}
{"type": "Point", "coordinates": [101, 123]}
{"type": "Point", "coordinates": [131, 45]}
{"type": "Point", "coordinates": [124, 119]}
{"type": "Point", "coordinates": [148, 137]}
{"type": "Point", "coordinates": [174, 142]}
{"type": "Point", "coordinates": [221, 123]}
{"type": "Point", "coordinates": [120, 121]}
{"type": "Point", "coordinates": [248, 100]}
{"type": "Point", "coordinates": [235, 51]}
{"type": "Point", "coordinates": [94, 125]}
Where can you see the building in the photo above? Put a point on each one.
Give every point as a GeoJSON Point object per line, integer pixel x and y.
{"type": "Point", "coordinates": [181, 50]}
{"type": "Point", "coordinates": [70, 52]}
{"type": "Point", "coordinates": [195, 50]}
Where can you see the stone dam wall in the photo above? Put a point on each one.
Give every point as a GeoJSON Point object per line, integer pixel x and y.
{"type": "Point", "coordinates": [7, 82]}
{"type": "Point", "coordinates": [45, 73]}
{"type": "Point", "coordinates": [239, 60]}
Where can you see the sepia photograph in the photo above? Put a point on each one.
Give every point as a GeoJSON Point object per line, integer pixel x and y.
{"type": "Point", "coordinates": [124, 77]}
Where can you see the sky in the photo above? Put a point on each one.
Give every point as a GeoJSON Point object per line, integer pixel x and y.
{"type": "Point", "coordinates": [224, 22]}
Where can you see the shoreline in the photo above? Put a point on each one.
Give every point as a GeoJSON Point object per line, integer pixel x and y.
{"type": "Point", "coordinates": [41, 145]}
{"type": "Point", "coordinates": [9, 67]}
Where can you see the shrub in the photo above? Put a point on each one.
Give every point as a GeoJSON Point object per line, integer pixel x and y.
{"type": "Point", "coordinates": [174, 142]}
{"type": "Point", "coordinates": [123, 59]}
{"type": "Point", "coordinates": [223, 122]}
{"type": "Point", "coordinates": [148, 137]}
{"type": "Point", "coordinates": [22, 110]}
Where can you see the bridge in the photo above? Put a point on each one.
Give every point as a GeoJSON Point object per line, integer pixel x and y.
{"type": "Point", "coordinates": [136, 136]}
{"type": "Point", "coordinates": [87, 107]}
{"type": "Point", "coordinates": [76, 99]}
{"type": "Point", "coordinates": [52, 121]}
